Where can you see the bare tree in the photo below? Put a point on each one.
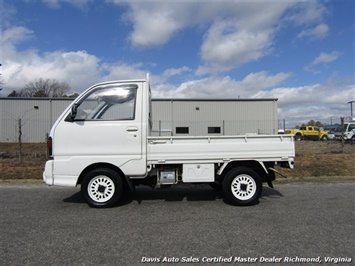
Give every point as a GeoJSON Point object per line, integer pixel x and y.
{"type": "Point", "coordinates": [44, 88]}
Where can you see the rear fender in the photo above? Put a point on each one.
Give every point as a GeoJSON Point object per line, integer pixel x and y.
{"type": "Point", "coordinates": [255, 164]}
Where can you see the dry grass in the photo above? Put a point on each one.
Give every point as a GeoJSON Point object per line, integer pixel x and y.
{"type": "Point", "coordinates": [34, 156]}
{"type": "Point", "coordinates": [319, 160]}
{"type": "Point", "coordinates": [315, 160]}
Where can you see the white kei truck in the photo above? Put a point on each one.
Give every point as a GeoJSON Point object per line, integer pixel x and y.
{"type": "Point", "coordinates": [347, 132]}
{"type": "Point", "coordinates": [103, 142]}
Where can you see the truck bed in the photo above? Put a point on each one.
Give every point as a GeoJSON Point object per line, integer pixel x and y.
{"type": "Point", "coordinates": [218, 149]}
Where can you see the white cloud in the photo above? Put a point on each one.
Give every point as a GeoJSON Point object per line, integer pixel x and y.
{"type": "Point", "coordinates": [56, 4]}
{"type": "Point", "coordinates": [322, 59]}
{"type": "Point", "coordinates": [261, 80]}
{"type": "Point", "coordinates": [318, 32]}
{"type": "Point", "coordinates": [221, 87]}
{"type": "Point", "coordinates": [158, 31]}
{"type": "Point", "coordinates": [78, 68]}
{"type": "Point", "coordinates": [154, 23]}
{"type": "Point", "coordinates": [291, 95]}
{"type": "Point", "coordinates": [15, 35]}
{"type": "Point", "coordinates": [318, 101]}
{"type": "Point", "coordinates": [226, 47]}
{"type": "Point", "coordinates": [122, 71]}
{"type": "Point", "coordinates": [175, 71]}
{"type": "Point", "coordinates": [326, 58]}
{"type": "Point", "coordinates": [307, 12]}
{"type": "Point", "coordinates": [237, 32]}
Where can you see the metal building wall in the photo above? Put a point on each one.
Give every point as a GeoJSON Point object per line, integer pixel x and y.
{"type": "Point", "coordinates": [231, 117]}
{"type": "Point", "coordinates": [228, 117]}
{"type": "Point", "coordinates": [35, 123]}
{"type": "Point", "coordinates": [162, 116]}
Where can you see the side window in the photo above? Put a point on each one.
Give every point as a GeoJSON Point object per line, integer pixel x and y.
{"type": "Point", "coordinates": [182, 130]}
{"type": "Point", "coordinates": [214, 130]}
{"type": "Point", "coordinates": [111, 102]}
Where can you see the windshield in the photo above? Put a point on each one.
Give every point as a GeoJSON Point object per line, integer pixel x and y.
{"type": "Point", "coordinates": [345, 127]}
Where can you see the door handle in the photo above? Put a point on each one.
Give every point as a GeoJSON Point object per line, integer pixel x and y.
{"type": "Point", "coordinates": [132, 129]}
{"type": "Point", "coordinates": [158, 142]}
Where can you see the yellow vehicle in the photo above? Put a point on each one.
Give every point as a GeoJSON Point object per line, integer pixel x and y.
{"type": "Point", "coordinates": [308, 132]}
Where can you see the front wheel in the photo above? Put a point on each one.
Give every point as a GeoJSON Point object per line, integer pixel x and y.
{"type": "Point", "coordinates": [324, 138]}
{"type": "Point", "coordinates": [102, 188]}
{"type": "Point", "coordinates": [242, 186]}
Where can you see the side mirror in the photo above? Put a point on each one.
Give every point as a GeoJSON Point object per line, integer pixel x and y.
{"type": "Point", "coordinates": [74, 111]}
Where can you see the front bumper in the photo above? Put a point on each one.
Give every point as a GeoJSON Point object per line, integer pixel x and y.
{"type": "Point", "coordinates": [48, 173]}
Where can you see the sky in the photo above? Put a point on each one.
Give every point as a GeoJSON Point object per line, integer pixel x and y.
{"type": "Point", "coordinates": [300, 52]}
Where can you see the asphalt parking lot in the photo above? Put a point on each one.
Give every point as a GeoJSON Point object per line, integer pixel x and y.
{"type": "Point", "coordinates": [292, 223]}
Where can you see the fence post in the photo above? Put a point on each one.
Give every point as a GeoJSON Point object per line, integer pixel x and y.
{"type": "Point", "coordinates": [159, 128]}
{"type": "Point", "coordinates": [20, 140]}
{"type": "Point", "coordinates": [342, 132]}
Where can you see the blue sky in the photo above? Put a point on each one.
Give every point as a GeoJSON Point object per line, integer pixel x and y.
{"type": "Point", "coordinates": [301, 52]}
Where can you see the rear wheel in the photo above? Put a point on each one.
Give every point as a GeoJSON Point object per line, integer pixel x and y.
{"type": "Point", "coordinates": [298, 137]}
{"type": "Point", "coordinates": [102, 188]}
{"type": "Point", "coordinates": [242, 186]}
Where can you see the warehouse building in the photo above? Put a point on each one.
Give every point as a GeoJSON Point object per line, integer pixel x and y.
{"type": "Point", "coordinates": [34, 117]}
{"type": "Point", "coordinates": [214, 117]}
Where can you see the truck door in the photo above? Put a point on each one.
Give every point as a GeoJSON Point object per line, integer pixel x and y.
{"type": "Point", "coordinates": [103, 126]}
{"type": "Point", "coordinates": [311, 132]}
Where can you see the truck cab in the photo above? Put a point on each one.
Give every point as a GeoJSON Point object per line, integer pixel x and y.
{"type": "Point", "coordinates": [347, 131]}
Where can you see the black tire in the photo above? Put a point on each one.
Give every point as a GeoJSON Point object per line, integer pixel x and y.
{"type": "Point", "coordinates": [324, 138]}
{"type": "Point", "coordinates": [242, 186]}
{"type": "Point", "coordinates": [298, 137]}
{"type": "Point", "coordinates": [102, 188]}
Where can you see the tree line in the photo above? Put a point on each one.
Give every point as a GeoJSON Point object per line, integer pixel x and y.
{"type": "Point", "coordinates": [313, 123]}
{"type": "Point", "coordinates": [44, 88]}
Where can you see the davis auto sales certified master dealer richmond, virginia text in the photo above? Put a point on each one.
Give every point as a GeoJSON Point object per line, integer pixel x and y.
{"type": "Point", "coordinates": [236, 259]}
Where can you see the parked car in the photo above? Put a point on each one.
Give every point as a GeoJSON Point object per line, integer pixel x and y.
{"type": "Point", "coordinates": [308, 132]}
{"type": "Point", "coordinates": [331, 130]}
{"type": "Point", "coordinates": [348, 131]}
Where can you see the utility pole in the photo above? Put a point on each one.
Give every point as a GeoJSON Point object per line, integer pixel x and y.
{"type": "Point", "coordinates": [0, 79]}
{"type": "Point", "coordinates": [351, 108]}
{"type": "Point", "coordinates": [342, 132]}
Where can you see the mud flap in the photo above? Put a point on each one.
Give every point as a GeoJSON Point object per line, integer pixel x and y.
{"type": "Point", "coordinates": [269, 182]}
{"type": "Point", "coordinates": [130, 184]}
